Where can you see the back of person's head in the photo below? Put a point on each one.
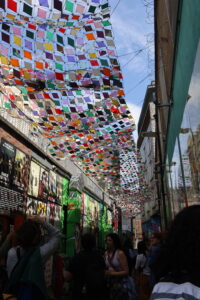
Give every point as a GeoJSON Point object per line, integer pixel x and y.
{"type": "Point", "coordinates": [28, 234]}
{"type": "Point", "coordinates": [156, 238]}
{"type": "Point", "coordinates": [116, 240]}
{"type": "Point", "coordinates": [88, 241]}
{"type": "Point", "coordinates": [142, 248]}
{"type": "Point", "coordinates": [128, 243]}
{"type": "Point", "coordinates": [181, 250]}
{"type": "Point", "coordinates": [157, 235]}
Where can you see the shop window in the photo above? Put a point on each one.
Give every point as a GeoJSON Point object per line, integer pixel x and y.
{"type": "Point", "coordinates": [190, 136]}
{"type": "Point", "coordinates": [176, 181]}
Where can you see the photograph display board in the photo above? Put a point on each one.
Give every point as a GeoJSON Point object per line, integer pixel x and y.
{"type": "Point", "coordinates": [109, 217]}
{"type": "Point", "coordinates": [43, 184]}
{"type": "Point", "coordinates": [28, 186]}
{"type": "Point", "coordinates": [34, 179]}
{"type": "Point", "coordinates": [41, 209]}
{"type": "Point", "coordinates": [14, 167]}
{"type": "Point", "coordinates": [7, 161]}
{"type": "Point", "coordinates": [14, 171]}
{"type": "Point", "coordinates": [31, 206]}
{"type": "Point", "coordinates": [52, 186]}
{"type": "Point", "coordinates": [59, 187]}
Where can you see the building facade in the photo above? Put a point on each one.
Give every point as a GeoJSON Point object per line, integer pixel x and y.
{"type": "Point", "coordinates": [146, 146]}
{"type": "Point", "coordinates": [177, 47]}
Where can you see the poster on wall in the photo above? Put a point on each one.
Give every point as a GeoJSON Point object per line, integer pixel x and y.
{"type": "Point", "coordinates": [58, 212]}
{"type": "Point", "coordinates": [91, 209]}
{"type": "Point", "coordinates": [109, 217]}
{"type": "Point", "coordinates": [48, 211]}
{"type": "Point", "coordinates": [59, 186]}
{"type": "Point", "coordinates": [43, 184]}
{"type": "Point", "coordinates": [96, 212]}
{"type": "Point", "coordinates": [7, 163]}
{"type": "Point", "coordinates": [34, 179]}
{"type": "Point", "coordinates": [21, 171]}
{"type": "Point", "coordinates": [51, 211]}
{"type": "Point", "coordinates": [31, 206]}
{"type": "Point", "coordinates": [86, 216]}
{"type": "Point", "coordinates": [41, 209]}
{"type": "Point", "coordinates": [52, 186]}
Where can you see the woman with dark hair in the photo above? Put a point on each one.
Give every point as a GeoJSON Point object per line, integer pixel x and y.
{"type": "Point", "coordinates": [119, 284]}
{"type": "Point", "coordinates": [130, 254]}
{"type": "Point", "coordinates": [177, 266]}
{"type": "Point", "coordinates": [25, 262]}
{"type": "Point", "coordinates": [28, 236]}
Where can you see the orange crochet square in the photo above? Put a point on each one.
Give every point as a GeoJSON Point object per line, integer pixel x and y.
{"type": "Point", "coordinates": [121, 93]}
{"type": "Point", "coordinates": [14, 62]}
{"type": "Point", "coordinates": [90, 36]}
{"type": "Point", "coordinates": [39, 65]}
{"type": "Point", "coordinates": [51, 118]}
{"type": "Point", "coordinates": [18, 82]}
{"type": "Point", "coordinates": [27, 54]}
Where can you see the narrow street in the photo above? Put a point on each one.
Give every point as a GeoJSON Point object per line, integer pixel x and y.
{"type": "Point", "coordinates": [99, 149]}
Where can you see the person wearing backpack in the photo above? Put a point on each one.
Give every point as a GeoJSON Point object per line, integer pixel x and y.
{"type": "Point", "coordinates": [25, 263]}
{"type": "Point", "coordinates": [87, 270]}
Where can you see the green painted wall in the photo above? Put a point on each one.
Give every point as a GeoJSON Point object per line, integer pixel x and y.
{"type": "Point", "coordinates": [105, 228]}
{"type": "Point", "coordinates": [187, 42]}
{"type": "Point", "coordinates": [73, 219]}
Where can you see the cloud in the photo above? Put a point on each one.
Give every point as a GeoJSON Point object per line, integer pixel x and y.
{"type": "Point", "coordinates": [130, 35]}
{"type": "Point", "coordinates": [135, 112]}
{"type": "Point", "coordinates": [128, 32]}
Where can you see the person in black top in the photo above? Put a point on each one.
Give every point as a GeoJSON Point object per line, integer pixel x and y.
{"type": "Point", "coordinates": [87, 269]}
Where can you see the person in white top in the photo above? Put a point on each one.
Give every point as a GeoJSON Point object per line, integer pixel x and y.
{"type": "Point", "coordinates": [141, 266]}
{"type": "Point", "coordinates": [120, 285]}
{"type": "Point", "coordinates": [177, 266]}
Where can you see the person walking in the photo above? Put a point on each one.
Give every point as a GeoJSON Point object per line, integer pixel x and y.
{"type": "Point", "coordinates": [143, 272]}
{"type": "Point", "coordinates": [87, 270]}
{"type": "Point", "coordinates": [177, 265]}
{"type": "Point", "coordinates": [120, 285]}
{"type": "Point", "coordinates": [130, 254]}
{"type": "Point", "coordinates": [156, 242]}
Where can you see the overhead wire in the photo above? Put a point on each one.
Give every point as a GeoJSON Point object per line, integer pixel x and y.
{"type": "Point", "coordinates": [138, 52]}
{"type": "Point", "coordinates": [115, 7]}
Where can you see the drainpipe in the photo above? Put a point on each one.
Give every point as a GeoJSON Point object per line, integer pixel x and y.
{"type": "Point", "coordinates": [161, 171]}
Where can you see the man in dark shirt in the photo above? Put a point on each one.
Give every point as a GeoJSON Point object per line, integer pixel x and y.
{"type": "Point", "coordinates": [87, 270]}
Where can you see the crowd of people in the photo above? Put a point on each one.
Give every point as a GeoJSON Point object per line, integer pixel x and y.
{"type": "Point", "coordinates": [162, 267]}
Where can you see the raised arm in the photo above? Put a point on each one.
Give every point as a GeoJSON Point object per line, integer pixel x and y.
{"type": "Point", "coordinates": [54, 234]}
